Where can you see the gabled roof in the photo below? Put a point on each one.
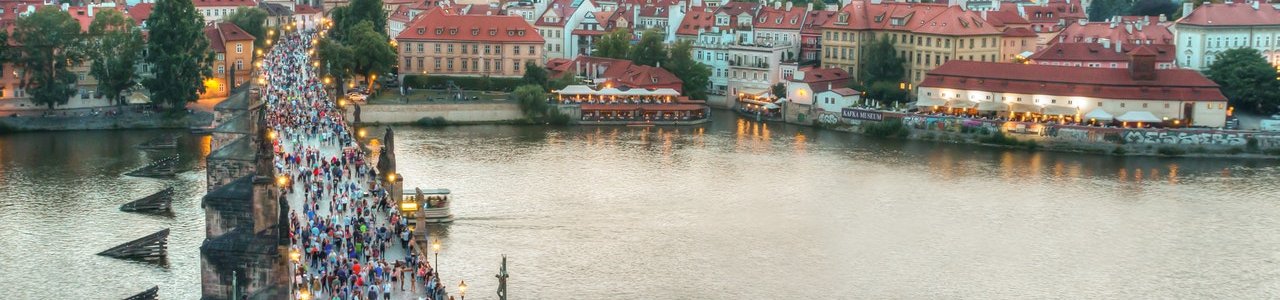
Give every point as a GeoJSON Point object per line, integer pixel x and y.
{"type": "Point", "coordinates": [305, 10]}
{"type": "Point", "coordinates": [820, 79]}
{"type": "Point", "coordinates": [1052, 13]}
{"type": "Point", "coordinates": [437, 25]}
{"type": "Point", "coordinates": [1018, 32]}
{"type": "Point", "coordinates": [275, 9]}
{"type": "Point", "coordinates": [1234, 14]}
{"type": "Point", "coordinates": [400, 15]}
{"type": "Point", "coordinates": [1169, 84]}
{"type": "Point", "coordinates": [1096, 52]}
{"type": "Point", "coordinates": [779, 18]}
{"type": "Point", "coordinates": [220, 33]}
{"type": "Point", "coordinates": [224, 3]}
{"type": "Point", "coordinates": [139, 12]}
{"type": "Point", "coordinates": [814, 20]}
{"type": "Point", "coordinates": [929, 18]}
{"type": "Point", "coordinates": [1000, 18]}
{"type": "Point", "coordinates": [622, 72]}
{"type": "Point", "coordinates": [697, 17]}
{"type": "Point", "coordinates": [844, 91]}
{"type": "Point", "coordinates": [561, 9]}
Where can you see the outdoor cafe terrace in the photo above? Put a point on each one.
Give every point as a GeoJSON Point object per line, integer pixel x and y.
{"type": "Point", "coordinates": [631, 104]}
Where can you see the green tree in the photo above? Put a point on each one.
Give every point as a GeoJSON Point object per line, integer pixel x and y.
{"type": "Point", "coordinates": [5, 52]}
{"type": "Point", "coordinates": [375, 54]}
{"type": "Point", "coordinates": [613, 44]}
{"type": "Point", "coordinates": [881, 63]}
{"type": "Point", "coordinates": [252, 20]}
{"type": "Point", "coordinates": [779, 90]}
{"type": "Point", "coordinates": [563, 81]}
{"type": "Point", "coordinates": [650, 51]}
{"type": "Point", "coordinates": [1248, 81]}
{"type": "Point", "coordinates": [533, 74]}
{"type": "Point", "coordinates": [116, 48]}
{"type": "Point", "coordinates": [532, 100]}
{"type": "Point", "coordinates": [1153, 8]}
{"type": "Point", "coordinates": [180, 53]}
{"type": "Point", "coordinates": [337, 61]}
{"type": "Point", "coordinates": [695, 75]}
{"type": "Point", "coordinates": [1102, 10]}
{"type": "Point", "coordinates": [347, 17]}
{"type": "Point", "coordinates": [51, 43]}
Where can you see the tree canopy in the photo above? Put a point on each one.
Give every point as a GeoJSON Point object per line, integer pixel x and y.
{"type": "Point", "coordinates": [374, 53]}
{"type": "Point", "coordinates": [1248, 81]}
{"type": "Point", "coordinates": [179, 51]}
{"type": "Point", "coordinates": [253, 20]}
{"type": "Point", "coordinates": [51, 44]}
{"type": "Point", "coordinates": [650, 51]}
{"type": "Point", "coordinates": [1153, 8]}
{"type": "Point", "coordinates": [117, 47]}
{"type": "Point", "coordinates": [696, 76]}
{"type": "Point", "coordinates": [349, 16]}
{"type": "Point", "coordinates": [613, 44]}
{"type": "Point", "coordinates": [534, 74]}
{"type": "Point", "coordinates": [881, 63]}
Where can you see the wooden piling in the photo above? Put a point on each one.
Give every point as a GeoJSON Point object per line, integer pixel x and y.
{"type": "Point", "coordinates": [149, 294]}
{"type": "Point", "coordinates": [158, 203]}
{"type": "Point", "coordinates": [150, 248]}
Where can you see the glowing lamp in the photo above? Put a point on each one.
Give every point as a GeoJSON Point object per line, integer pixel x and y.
{"type": "Point", "coordinates": [408, 206]}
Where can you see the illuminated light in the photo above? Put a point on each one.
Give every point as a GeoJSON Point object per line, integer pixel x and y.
{"type": "Point", "coordinates": [391, 177]}
{"type": "Point", "coordinates": [360, 133]}
{"type": "Point", "coordinates": [271, 134]}
{"type": "Point", "coordinates": [282, 181]}
{"type": "Point", "coordinates": [408, 206]}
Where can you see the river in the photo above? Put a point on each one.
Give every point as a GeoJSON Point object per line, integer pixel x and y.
{"type": "Point", "coordinates": [729, 210]}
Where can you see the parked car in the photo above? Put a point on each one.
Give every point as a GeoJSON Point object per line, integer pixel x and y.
{"type": "Point", "coordinates": [357, 97]}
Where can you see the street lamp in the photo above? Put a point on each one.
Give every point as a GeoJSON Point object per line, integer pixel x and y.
{"type": "Point", "coordinates": [462, 288]}
{"type": "Point", "coordinates": [295, 255]}
{"type": "Point", "coordinates": [436, 247]}
{"type": "Point", "coordinates": [282, 181]}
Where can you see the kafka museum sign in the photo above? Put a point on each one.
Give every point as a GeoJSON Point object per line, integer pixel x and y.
{"type": "Point", "coordinates": [861, 114]}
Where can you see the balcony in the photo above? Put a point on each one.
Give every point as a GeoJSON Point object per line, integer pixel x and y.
{"type": "Point", "coordinates": [755, 65]}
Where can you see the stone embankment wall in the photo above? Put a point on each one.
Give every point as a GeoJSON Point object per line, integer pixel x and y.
{"type": "Point", "coordinates": [35, 122]}
{"type": "Point", "coordinates": [1068, 137]}
{"type": "Point", "coordinates": [451, 112]}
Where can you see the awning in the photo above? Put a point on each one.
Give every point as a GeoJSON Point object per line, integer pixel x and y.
{"type": "Point", "coordinates": [577, 90]}
{"type": "Point", "coordinates": [992, 106]}
{"type": "Point", "coordinates": [756, 102]}
{"type": "Point", "coordinates": [961, 104]}
{"type": "Point", "coordinates": [138, 98]}
{"type": "Point", "coordinates": [1138, 116]}
{"type": "Point", "coordinates": [753, 92]}
{"type": "Point", "coordinates": [644, 107]}
{"type": "Point", "coordinates": [1057, 110]}
{"type": "Point", "coordinates": [1023, 108]}
{"type": "Point", "coordinates": [929, 101]}
{"type": "Point", "coordinates": [771, 106]}
{"type": "Point", "coordinates": [1099, 114]}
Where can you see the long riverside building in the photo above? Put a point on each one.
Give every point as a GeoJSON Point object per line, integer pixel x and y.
{"type": "Point", "coordinates": [440, 43]}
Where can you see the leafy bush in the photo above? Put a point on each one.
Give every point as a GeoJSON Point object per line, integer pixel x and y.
{"type": "Point", "coordinates": [1171, 151]}
{"type": "Point", "coordinates": [885, 129]}
{"type": "Point", "coordinates": [999, 138]}
{"type": "Point", "coordinates": [1251, 144]}
{"type": "Point", "coordinates": [437, 121]}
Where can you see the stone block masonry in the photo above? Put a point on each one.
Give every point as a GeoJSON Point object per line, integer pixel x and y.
{"type": "Point", "coordinates": [451, 112]}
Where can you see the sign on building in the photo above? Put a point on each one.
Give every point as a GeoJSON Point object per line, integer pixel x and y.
{"type": "Point", "coordinates": [861, 114]}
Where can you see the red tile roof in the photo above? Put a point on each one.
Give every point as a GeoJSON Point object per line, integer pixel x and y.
{"type": "Point", "coordinates": [844, 91]}
{"type": "Point", "coordinates": [1169, 84]}
{"type": "Point", "coordinates": [435, 25]}
{"type": "Point", "coordinates": [561, 9]}
{"type": "Point", "coordinates": [821, 79]}
{"type": "Point", "coordinates": [1052, 13]}
{"type": "Point", "coordinates": [400, 15]}
{"type": "Point", "coordinates": [139, 12]}
{"type": "Point", "coordinates": [814, 20]}
{"type": "Point", "coordinates": [654, 11]}
{"type": "Point", "coordinates": [648, 107]}
{"type": "Point", "coordinates": [1018, 32]}
{"type": "Point", "coordinates": [780, 18]}
{"type": "Point", "coordinates": [1130, 32]}
{"type": "Point", "coordinates": [305, 10]}
{"type": "Point", "coordinates": [1094, 52]}
{"type": "Point", "coordinates": [222, 3]}
{"type": "Point", "coordinates": [618, 71]}
{"type": "Point", "coordinates": [220, 33]}
{"type": "Point", "coordinates": [697, 17]}
{"type": "Point", "coordinates": [1000, 18]}
{"type": "Point", "coordinates": [1234, 14]}
{"type": "Point", "coordinates": [929, 18]}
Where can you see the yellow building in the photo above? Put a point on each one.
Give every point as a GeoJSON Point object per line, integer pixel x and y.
{"type": "Point", "coordinates": [439, 43]}
{"type": "Point", "coordinates": [233, 48]}
{"type": "Point", "coordinates": [924, 35]}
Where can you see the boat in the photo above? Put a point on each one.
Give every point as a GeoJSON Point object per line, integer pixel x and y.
{"type": "Point", "coordinates": [432, 203]}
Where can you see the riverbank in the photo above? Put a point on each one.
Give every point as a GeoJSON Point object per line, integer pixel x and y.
{"type": "Point", "coordinates": [102, 121]}
{"type": "Point", "coordinates": [1208, 143]}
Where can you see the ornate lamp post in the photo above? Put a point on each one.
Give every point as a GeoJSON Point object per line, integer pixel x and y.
{"type": "Point", "coordinates": [435, 246]}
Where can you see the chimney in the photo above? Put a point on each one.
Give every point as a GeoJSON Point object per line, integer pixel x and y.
{"type": "Point", "coordinates": [809, 7]}
{"type": "Point", "coordinates": [788, 6]}
{"type": "Point", "coordinates": [1119, 46]}
{"type": "Point", "coordinates": [778, 5]}
{"type": "Point", "coordinates": [1227, 2]}
{"type": "Point", "coordinates": [798, 75]}
{"type": "Point", "coordinates": [90, 8]}
{"type": "Point", "coordinates": [1163, 18]}
{"type": "Point", "coordinates": [1128, 28]}
{"type": "Point", "coordinates": [1255, 4]}
{"type": "Point", "coordinates": [1082, 22]}
{"type": "Point", "coordinates": [1106, 43]}
{"type": "Point", "coordinates": [1112, 25]}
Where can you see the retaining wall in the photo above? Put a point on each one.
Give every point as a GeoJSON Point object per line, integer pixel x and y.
{"type": "Point", "coordinates": [451, 112]}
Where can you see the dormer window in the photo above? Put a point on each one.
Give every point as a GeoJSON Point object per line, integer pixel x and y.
{"type": "Point", "coordinates": [475, 31]}
{"type": "Point", "coordinates": [520, 32]}
{"type": "Point", "coordinates": [422, 31]}
{"type": "Point", "coordinates": [453, 31]}
{"type": "Point", "coordinates": [439, 31]}
{"type": "Point", "coordinates": [493, 32]}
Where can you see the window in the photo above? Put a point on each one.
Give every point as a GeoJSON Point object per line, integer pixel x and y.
{"type": "Point", "coordinates": [420, 46]}
{"type": "Point", "coordinates": [450, 49]}
{"type": "Point", "coordinates": [515, 66]}
{"type": "Point", "coordinates": [408, 62]}
{"type": "Point", "coordinates": [532, 51]}
{"type": "Point", "coordinates": [239, 47]}
{"type": "Point", "coordinates": [1144, 105]}
{"type": "Point", "coordinates": [420, 65]}
{"type": "Point", "coordinates": [450, 68]}
{"type": "Point", "coordinates": [221, 69]}
{"type": "Point", "coordinates": [1166, 105]}
{"type": "Point", "coordinates": [1121, 104]}
{"type": "Point", "coordinates": [239, 64]}
{"type": "Point", "coordinates": [1099, 103]}
{"type": "Point", "coordinates": [221, 57]}
{"type": "Point", "coordinates": [486, 49]}
{"type": "Point", "coordinates": [437, 64]}
{"type": "Point", "coordinates": [516, 49]}
{"type": "Point", "coordinates": [437, 47]}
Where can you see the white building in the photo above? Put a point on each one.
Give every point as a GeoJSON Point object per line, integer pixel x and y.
{"type": "Point", "coordinates": [557, 22]}
{"type": "Point", "coordinates": [1214, 28]}
{"type": "Point", "coordinates": [835, 99]}
{"type": "Point", "coordinates": [214, 10]}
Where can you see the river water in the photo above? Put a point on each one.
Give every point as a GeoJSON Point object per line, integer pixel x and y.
{"type": "Point", "coordinates": [729, 210]}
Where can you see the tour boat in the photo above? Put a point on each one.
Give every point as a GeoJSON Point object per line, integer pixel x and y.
{"type": "Point", "coordinates": [434, 204]}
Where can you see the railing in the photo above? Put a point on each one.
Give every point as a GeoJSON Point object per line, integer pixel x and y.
{"type": "Point", "coordinates": [759, 65]}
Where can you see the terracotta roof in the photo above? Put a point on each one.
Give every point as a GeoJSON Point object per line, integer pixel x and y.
{"type": "Point", "coordinates": [639, 75]}
{"type": "Point", "coordinates": [623, 72]}
{"type": "Point", "coordinates": [820, 79]}
{"type": "Point", "coordinates": [1210, 14]}
{"type": "Point", "coordinates": [1169, 84]}
{"type": "Point", "coordinates": [557, 66]}
{"type": "Point", "coordinates": [1053, 12]}
{"type": "Point", "coordinates": [1091, 52]}
{"type": "Point", "coordinates": [222, 3]}
{"type": "Point", "coordinates": [305, 10]}
{"type": "Point", "coordinates": [648, 107]}
{"type": "Point", "coordinates": [654, 11]}
{"type": "Point", "coordinates": [780, 18]}
{"type": "Point", "coordinates": [697, 17]}
{"type": "Point", "coordinates": [436, 25]}
{"type": "Point", "coordinates": [1018, 32]}
{"type": "Point", "coordinates": [139, 12]}
{"type": "Point", "coordinates": [220, 33]}
{"type": "Point", "coordinates": [814, 20]}
{"type": "Point", "coordinates": [1000, 18]}
{"type": "Point", "coordinates": [400, 15]}
{"type": "Point", "coordinates": [1131, 32]}
{"type": "Point", "coordinates": [562, 10]}
{"type": "Point", "coordinates": [737, 8]}
{"type": "Point", "coordinates": [215, 39]}
{"type": "Point", "coordinates": [844, 91]}
{"type": "Point", "coordinates": [929, 18]}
